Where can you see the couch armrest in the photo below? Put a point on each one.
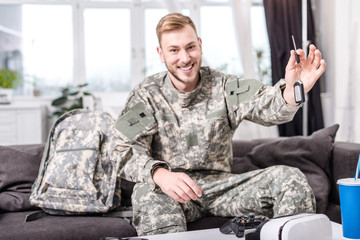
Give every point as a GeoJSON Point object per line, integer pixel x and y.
{"type": "Point", "coordinates": [343, 165]}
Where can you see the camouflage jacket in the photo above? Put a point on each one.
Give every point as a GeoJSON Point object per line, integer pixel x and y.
{"type": "Point", "coordinates": [161, 126]}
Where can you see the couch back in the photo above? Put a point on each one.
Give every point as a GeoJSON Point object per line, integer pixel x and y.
{"type": "Point", "coordinates": [19, 165]}
{"type": "Point", "coordinates": [342, 160]}
{"type": "Point", "coordinates": [343, 164]}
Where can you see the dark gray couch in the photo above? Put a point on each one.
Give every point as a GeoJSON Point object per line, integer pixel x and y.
{"type": "Point", "coordinates": [321, 160]}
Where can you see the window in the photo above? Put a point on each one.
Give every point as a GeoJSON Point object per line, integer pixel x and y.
{"type": "Point", "coordinates": [107, 49]}
{"type": "Point", "coordinates": [110, 44]}
{"type": "Point", "coordinates": [260, 44]}
{"type": "Point", "coordinates": [47, 45]}
{"type": "Point", "coordinates": [219, 46]}
{"type": "Point", "coordinates": [152, 61]}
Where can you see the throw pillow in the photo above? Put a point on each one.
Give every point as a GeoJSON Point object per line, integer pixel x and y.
{"type": "Point", "coordinates": [19, 166]}
{"type": "Point", "coordinates": [310, 154]}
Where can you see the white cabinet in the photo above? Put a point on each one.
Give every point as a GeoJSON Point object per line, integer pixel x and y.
{"type": "Point", "coordinates": [22, 124]}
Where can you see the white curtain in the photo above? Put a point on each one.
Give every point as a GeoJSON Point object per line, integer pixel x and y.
{"type": "Point", "coordinates": [242, 28]}
{"type": "Point", "coordinates": [347, 70]}
{"type": "Point", "coordinates": [173, 6]}
{"type": "Point", "coordinates": [339, 37]}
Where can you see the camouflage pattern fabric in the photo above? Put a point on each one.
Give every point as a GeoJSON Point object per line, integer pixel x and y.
{"type": "Point", "coordinates": [76, 174]}
{"type": "Point", "coordinates": [190, 131]}
{"type": "Point", "coordinates": [273, 192]}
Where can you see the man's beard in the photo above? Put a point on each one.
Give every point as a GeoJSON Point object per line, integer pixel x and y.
{"type": "Point", "coordinates": [173, 73]}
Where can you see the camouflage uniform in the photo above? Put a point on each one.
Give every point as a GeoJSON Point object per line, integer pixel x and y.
{"type": "Point", "coordinates": [192, 132]}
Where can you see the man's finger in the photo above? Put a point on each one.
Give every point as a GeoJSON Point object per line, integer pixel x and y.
{"type": "Point", "coordinates": [301, 54]}
{"type": "Point", "coordinates": [194, 187]}
{"type": "Point", "coordinates": [188, 191]}
{"type": "Point", "coordinates": [317, 58]}
{"type": "Point", "coordinates": [184, 191]}
{"type": "Point", "coordinates": [292, 61]}
{"type": "Point", "coordinates": [321, 68]}
{"type": "Point", "coordinates": [311, 54]}
{"type": "Point", "coordinates": [176, 197]}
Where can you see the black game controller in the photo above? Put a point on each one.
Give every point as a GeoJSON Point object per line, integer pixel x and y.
{"type": "Point", "coordinates": [242, 222]}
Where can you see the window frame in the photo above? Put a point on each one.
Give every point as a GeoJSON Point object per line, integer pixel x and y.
{"type": "Point", "coordinates": [137, 24]}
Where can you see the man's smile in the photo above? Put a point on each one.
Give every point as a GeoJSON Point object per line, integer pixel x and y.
{"type": "Point", "coordinates": [187, 68]}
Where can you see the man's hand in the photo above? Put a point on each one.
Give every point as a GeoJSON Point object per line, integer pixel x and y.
{"type": "Point", "coordinates": [179, 186]}
{"type": "Point", "coordinates": [310, 68]}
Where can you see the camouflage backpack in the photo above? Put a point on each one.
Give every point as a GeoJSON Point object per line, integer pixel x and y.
{"type": "Point", "coordinates": [77, 175]}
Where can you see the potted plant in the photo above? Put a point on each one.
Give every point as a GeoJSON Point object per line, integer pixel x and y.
{"type": "Point", "coordinates": [8, 81]}
{"type": "Point", "coordinates": [72, 98]}
{"type": "Point", "coordinates": [34, 81]}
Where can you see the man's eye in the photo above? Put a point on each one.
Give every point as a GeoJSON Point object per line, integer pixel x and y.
{"type": "Point", "coordinates": [173, 50]}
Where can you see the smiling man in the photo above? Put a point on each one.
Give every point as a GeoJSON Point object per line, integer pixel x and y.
{"type": "Point", "coordinates": [181, 52]}
{"type": "Point", "coordinates": [175, 133]}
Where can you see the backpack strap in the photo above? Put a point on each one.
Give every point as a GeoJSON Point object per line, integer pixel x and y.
{"type": "Point", "coordinates": [35, 216]}
{"type": "Point", "coordinates": [121, 214]}
{"type": "Point", "coordinates": [125, 212]}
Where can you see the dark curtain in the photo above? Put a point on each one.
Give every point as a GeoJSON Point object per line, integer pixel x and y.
{"type": "Point", "coordinates": [283, 19]}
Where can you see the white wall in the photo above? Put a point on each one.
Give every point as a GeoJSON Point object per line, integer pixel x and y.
{"type": "Point", "coordinates": [338, 31]}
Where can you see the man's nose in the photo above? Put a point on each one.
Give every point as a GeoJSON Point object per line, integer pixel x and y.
{"type": "Point", "coordinates": [184, 56]}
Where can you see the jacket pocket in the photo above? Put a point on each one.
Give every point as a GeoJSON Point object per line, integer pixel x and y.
{"type": "Point", "coordinates": [74, 162]}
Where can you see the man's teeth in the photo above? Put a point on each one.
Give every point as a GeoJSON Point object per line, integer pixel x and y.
{"type": "Point", "coordinates": [187, 68]}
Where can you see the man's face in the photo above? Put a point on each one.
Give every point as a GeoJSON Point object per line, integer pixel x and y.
{"type": "Point", "coordinates": [181, 52]}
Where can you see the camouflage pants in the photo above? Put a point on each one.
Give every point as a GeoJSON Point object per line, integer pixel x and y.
{"type": "Point", "coordinates": [274, 191]}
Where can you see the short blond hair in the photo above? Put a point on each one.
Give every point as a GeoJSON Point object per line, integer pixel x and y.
{"type": "Point", "coordinates": [173, 21]}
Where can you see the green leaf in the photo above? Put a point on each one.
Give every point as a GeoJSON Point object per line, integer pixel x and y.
{"type": "Point", "coordinates": [59, 101]}
{"type": "Point", "coordinates": [9, 78]}
{"type": "Point", "coordinates": [82, 85]}
{"type": "Point", "coordinates": [74, 106]}
{"type": "Point", "coordinates": [73, 93]}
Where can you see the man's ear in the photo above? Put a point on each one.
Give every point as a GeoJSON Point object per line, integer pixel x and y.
{"type": "Point", "coordinates": [161, 54]}
{"type": "Point", "coordinates": [200, 44]}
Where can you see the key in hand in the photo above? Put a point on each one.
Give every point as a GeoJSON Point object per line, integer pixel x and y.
{"type": "Point", "coordinates": [298, 85]}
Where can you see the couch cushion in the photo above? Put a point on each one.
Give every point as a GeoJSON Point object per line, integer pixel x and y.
{"type": "Point", "coordinates": [19, 167]}
{"type": "Point", "coordinates": [310, 154]}
{"type": "Point", "coordinates": [12, 226]}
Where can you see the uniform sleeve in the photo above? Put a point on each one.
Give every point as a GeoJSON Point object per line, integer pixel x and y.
{"type": "Point", "coordinates": [134, 130]}
{"type": "Point", "coordinates": [251, 100]}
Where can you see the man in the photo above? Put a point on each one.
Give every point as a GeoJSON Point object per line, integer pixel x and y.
{"type": "Point", "coordinates": [175, 133]}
